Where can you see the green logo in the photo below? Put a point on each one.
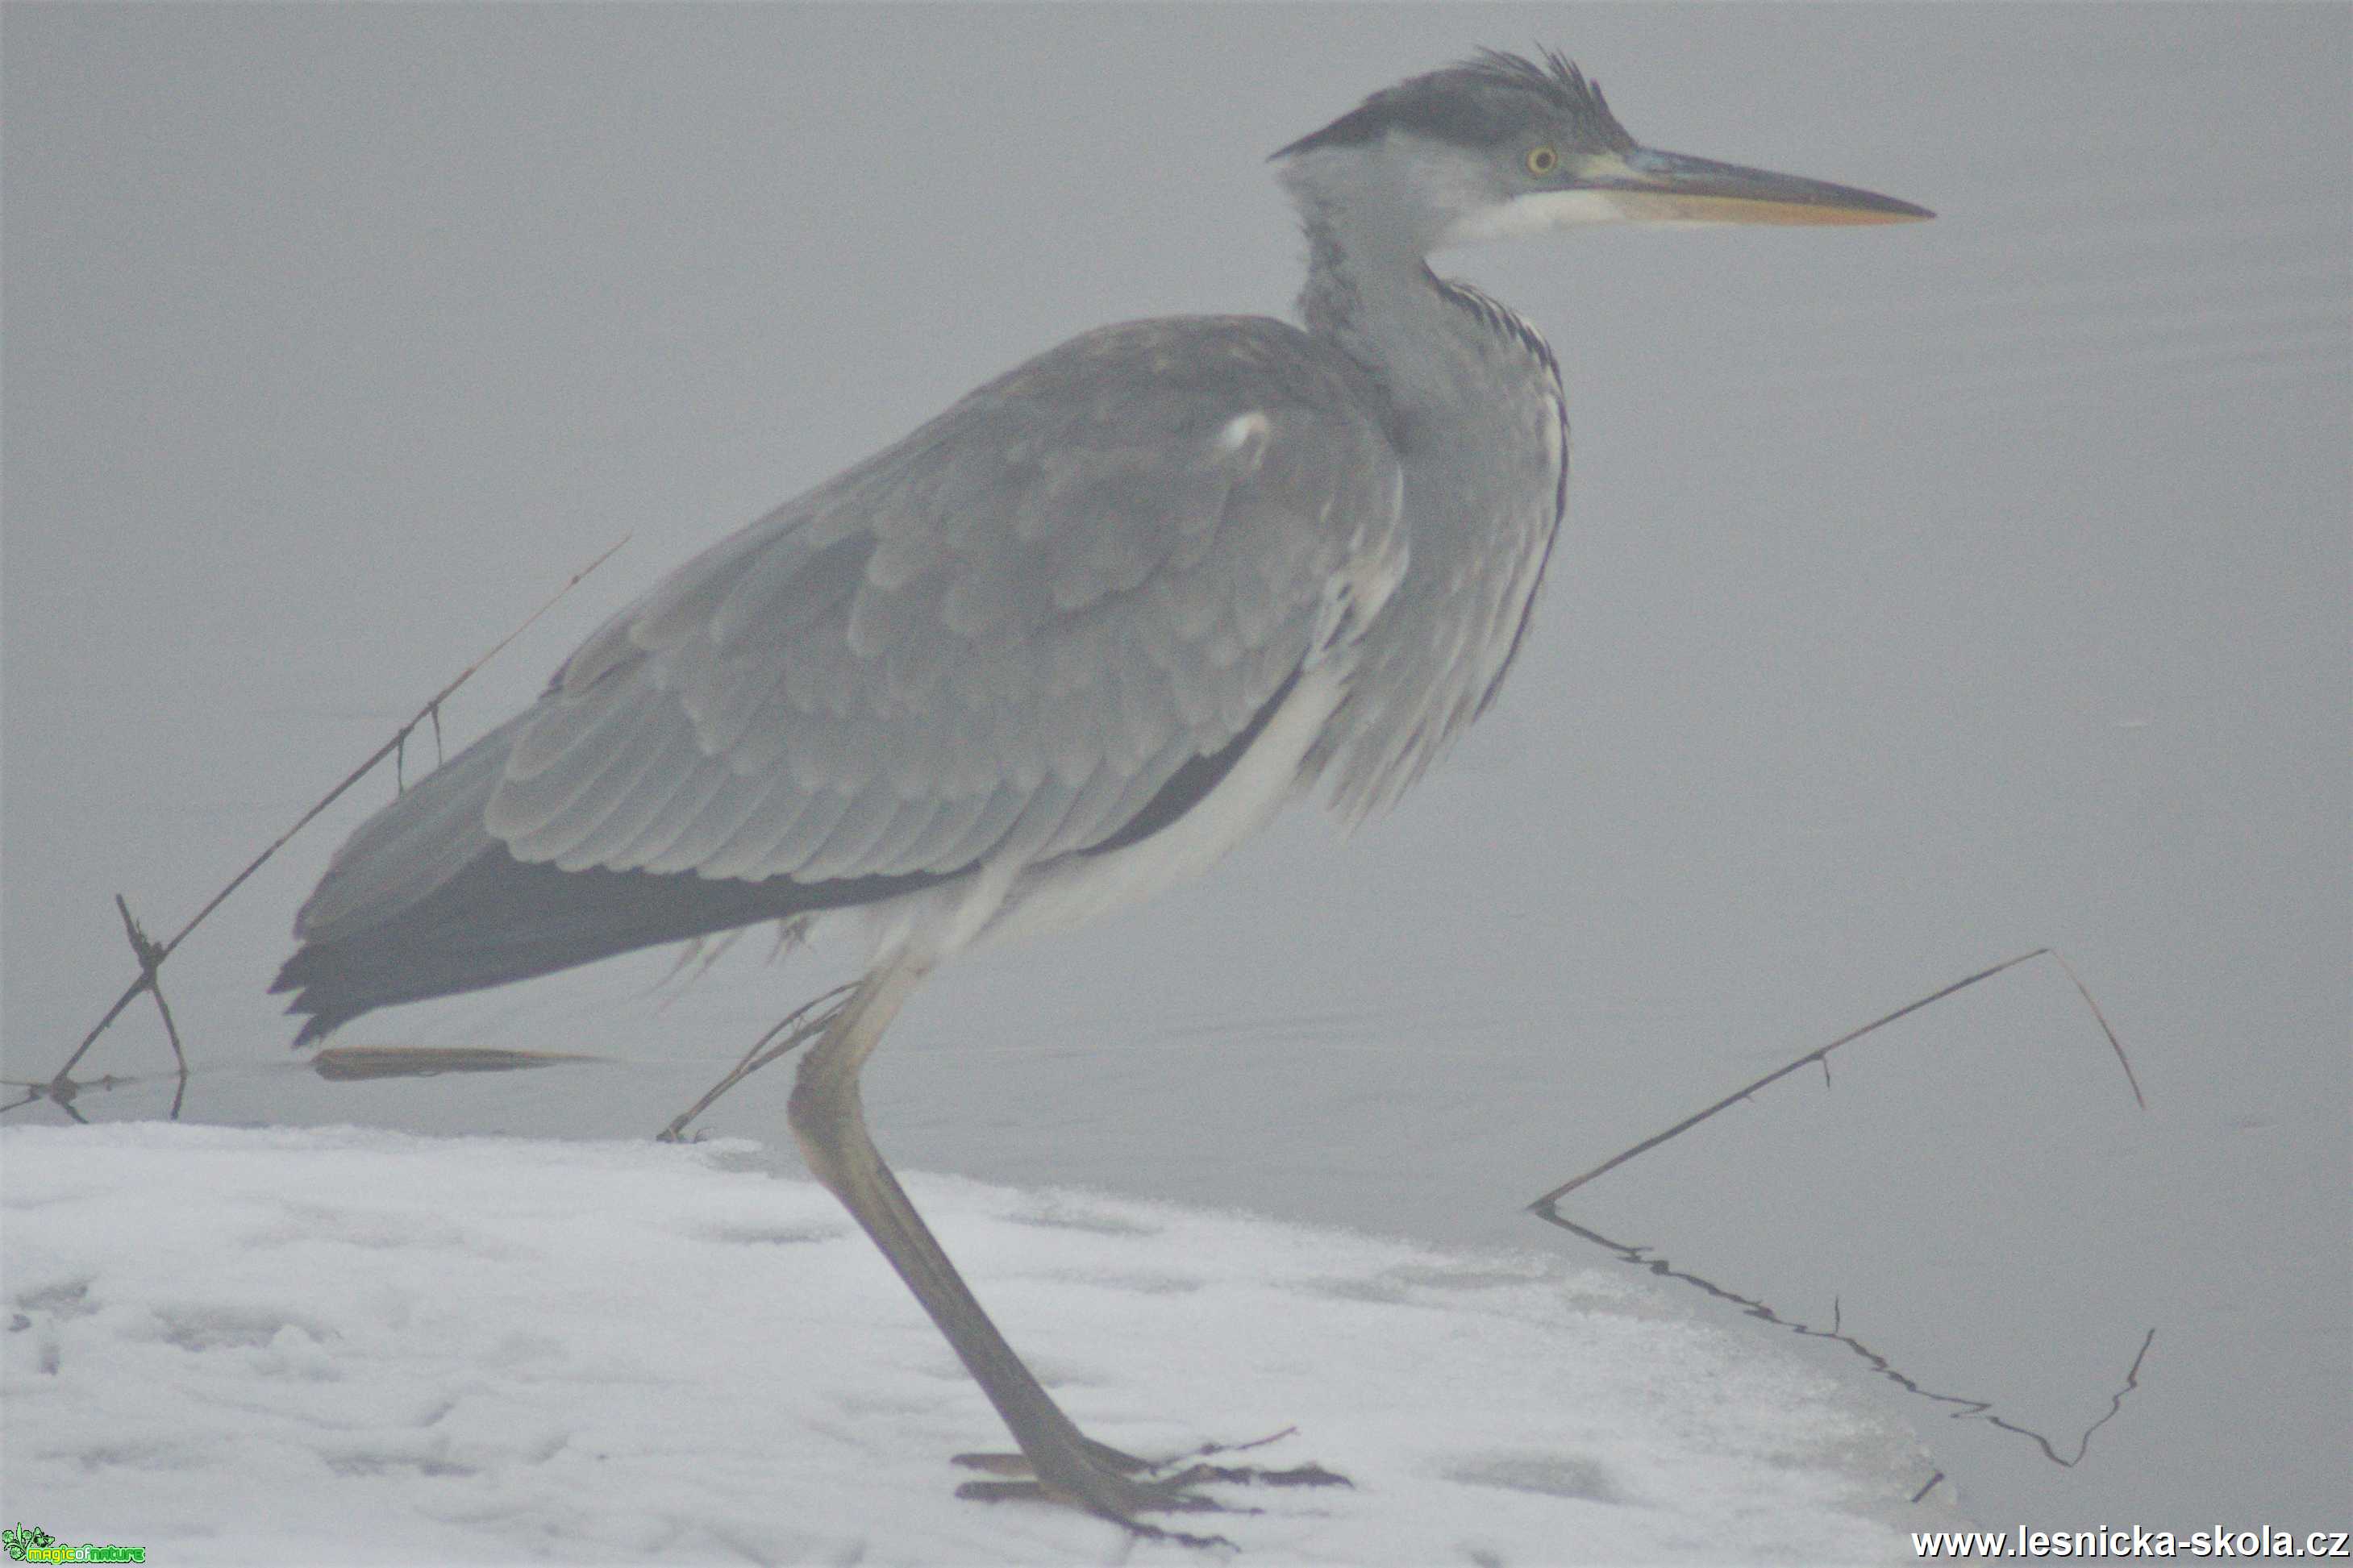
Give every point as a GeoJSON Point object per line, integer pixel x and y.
{"type": "Point", "coordinates": [31, 1543]}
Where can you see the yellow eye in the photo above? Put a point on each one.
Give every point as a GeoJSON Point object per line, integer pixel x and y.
{"type": "Point", "coordinates": [1542, 161]}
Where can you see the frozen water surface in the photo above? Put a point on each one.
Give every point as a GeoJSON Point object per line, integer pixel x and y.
{"type": "Point", "coordinates": [331, 1345]}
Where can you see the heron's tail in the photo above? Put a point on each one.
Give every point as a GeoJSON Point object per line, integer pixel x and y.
{"type": "Point", "coordinates": [422, 902]}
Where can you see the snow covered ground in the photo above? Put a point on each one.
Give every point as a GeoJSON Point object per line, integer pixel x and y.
{"type": "Point", "coordinates": [325, 1346]}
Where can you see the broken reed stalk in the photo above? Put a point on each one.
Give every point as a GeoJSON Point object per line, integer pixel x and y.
{"type": "Point", "coordinates": [1546, 1209]}
{"type": "Point", "coordinates": [797, 1027]}
{"type": "Point", "coordinates": [151, 955]}
{"type": "Point", "coordinates": [1543, 1205]}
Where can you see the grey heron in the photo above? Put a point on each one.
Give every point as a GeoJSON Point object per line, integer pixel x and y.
{"type": "Point", "coordinates": [1064, 645]}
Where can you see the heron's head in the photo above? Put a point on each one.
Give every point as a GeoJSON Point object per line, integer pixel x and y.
{"type": "Point", "coordinates": [1500, 145]}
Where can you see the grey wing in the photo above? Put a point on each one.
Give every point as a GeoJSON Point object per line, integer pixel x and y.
{"type": "Point", "coordinates": [999, 639]}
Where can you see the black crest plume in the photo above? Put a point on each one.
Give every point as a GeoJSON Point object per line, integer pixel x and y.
{"type": "Point", "coordinates": [1479, 102]}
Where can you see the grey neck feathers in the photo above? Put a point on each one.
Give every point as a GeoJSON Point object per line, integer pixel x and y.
{"type": "Point", "coordinates": [1370, 292]}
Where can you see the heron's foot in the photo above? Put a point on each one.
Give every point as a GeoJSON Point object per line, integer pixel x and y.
{"type": "Point", "coordinates": [1120, 1486]}
{"type": "Point", "coordinates": [1101, 1487]}
{"type": "Point", "coordinates": [1259, 1475]}
{"type": "Point", "coordinates": [1309, 1475]}
{"type": "Point", "coordinates": [1187, 1467]}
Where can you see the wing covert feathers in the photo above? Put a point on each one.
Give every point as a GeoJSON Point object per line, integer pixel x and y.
{"type": "Point", "coordinates": [1000, 639]}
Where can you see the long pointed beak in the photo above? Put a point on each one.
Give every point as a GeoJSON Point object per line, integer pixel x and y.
{"type": "Point", "coordinates": [1647, 186]}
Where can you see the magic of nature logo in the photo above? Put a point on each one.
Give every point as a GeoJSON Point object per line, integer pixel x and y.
{"type": "Point", "coordinates": [31, 1543]}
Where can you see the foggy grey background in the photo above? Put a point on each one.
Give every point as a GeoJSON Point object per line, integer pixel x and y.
{"type": "Point", "coordinates": [1928, 594]}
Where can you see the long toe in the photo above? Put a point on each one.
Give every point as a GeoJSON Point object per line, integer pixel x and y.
{"type": "Point", "coordinates": [1259, 1475]}
{"type": "Point", "coordinates": [1108, 1494]}
{"type": "Point", "coordinates": [1189, 1469]}
{"type": "Point", "coordinates": [1126, 1513]}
